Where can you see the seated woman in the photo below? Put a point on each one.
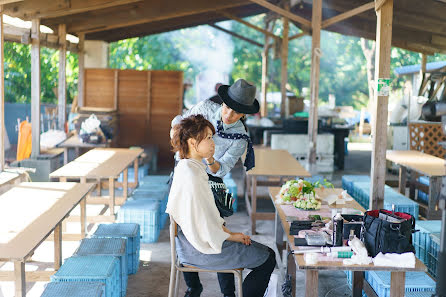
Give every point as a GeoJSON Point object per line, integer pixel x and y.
{"type": "Point", "coordinates": [203, 241]}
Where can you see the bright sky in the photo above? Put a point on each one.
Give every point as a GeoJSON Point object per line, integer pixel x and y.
{"type": "Point", "coordinates": [27, 24]}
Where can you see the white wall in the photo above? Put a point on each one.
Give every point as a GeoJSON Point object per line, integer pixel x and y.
{"type": "Point", "coordinates": [96, 54]}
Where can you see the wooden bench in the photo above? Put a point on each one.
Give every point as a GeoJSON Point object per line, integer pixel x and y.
{"type": "Point", "coordinates": [29, 213]}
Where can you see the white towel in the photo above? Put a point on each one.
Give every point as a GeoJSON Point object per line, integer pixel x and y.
{"type": "Point", "coordinates": [406, 260]}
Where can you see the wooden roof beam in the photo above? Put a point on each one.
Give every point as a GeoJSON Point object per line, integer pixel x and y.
{"type": "Point", "coordinates": [236, 35]}
{"type": "Point", "coordinates": [147, 12]}
{"type": "Point", "coordinates": [242, 21]}
{"type": "Point", "coordinates": [283, 12]}
{"type": "Point", "coordinates": [23, 35]}
{"type": "Point", "coordinates": [299, 35]}
{"type": "Point", "coordinates": [348, 14]}
{"type": "Point", "coordinates": [57, 8]}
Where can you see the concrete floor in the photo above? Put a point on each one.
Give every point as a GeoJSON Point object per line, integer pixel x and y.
{"type": "Point", "coordinates": [152, 279]}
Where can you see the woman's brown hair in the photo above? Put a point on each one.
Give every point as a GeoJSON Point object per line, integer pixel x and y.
{"type": "Point", "coordinates": [191, 127]}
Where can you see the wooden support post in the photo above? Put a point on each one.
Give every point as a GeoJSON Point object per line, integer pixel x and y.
{"type": "Point", "coordinates": [265, 60]}
{"type": "Point", "coordinates": [2, 94]}
{"type": "Point", "coordinates": [58, 246]}
{"type": "Point", "coordinates": [380, 110]}
{"type": "Point", "coordinates": [62, 94]}
{"type": "Point", "coordinates": [284, 74]}
{"type": "Point", "coordinates": [35, 87]}
{"type": "Point", "coordinates": [19, 279]}
{"type": "Point", "coordinates": [316, 22]}
{"type": "Point", "coordinates": [81, 78]}
{"type": "Point", "coordinates": [83, 210]}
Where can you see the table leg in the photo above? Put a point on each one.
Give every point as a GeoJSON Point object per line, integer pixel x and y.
{"type": "Point", "coordinates": [65, 155]}
{"type": "Point", "coordinates": [19, 279]}
{"type": "Point", "coordinates": [111, 193]}
{"type": "Point", "coordinates": [413, 179]}
{"type": "Point", "coordinates": [291, 270]}
{"type": "Point", "coordinates": [311, 283]}
{"type": "Point", "coordinates": [358, 283]}
{"type": "Point", "coordinates": [253, 204]}
{"type": "Point", "coordinates": [83, 218]}
{"type": "Point", "coordinates": [125, 183]}
{"type": "Point", "coordinates": [57, 246]}
{"type": "Point", "coordinates": [402, 180]}
{"type": "Point", "coordinates": [135, 166]}
{"type": "Point", "coordinates": [278, 234]}
{"type": "Point", "coordinates": [397, 283]}
{"type": "Point", "coordinates": [434, 193]}
{"type": "Point", "coordinates": [247, 191]}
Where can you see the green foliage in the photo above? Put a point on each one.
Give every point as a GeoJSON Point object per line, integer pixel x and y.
{"type": "Point", "coordinates": [18, 73]}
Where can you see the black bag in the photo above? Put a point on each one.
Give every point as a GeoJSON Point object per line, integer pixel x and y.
{"type": "Point", "coordinates": [223, 199]}
{"type": "Point", "coordinates": [352, 222]}
{"type": "Point", "coordinates": [388, 232]}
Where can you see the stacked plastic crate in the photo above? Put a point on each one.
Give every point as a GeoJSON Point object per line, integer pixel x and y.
{"type": "Point", "coordinates": [147, 207]}
{"type": "Point", "coordinates": [102, 269]}
{"type": "Point", "coordinates": [107, 247]}
{"type": "Point", "coordinates": [422, 240]}
{"type": "Point", "coordinates": [433, 254]}
{"type": "Point", "coordinates": [128, 231]}
{"type": "Point", "coordinates": [74, 289]}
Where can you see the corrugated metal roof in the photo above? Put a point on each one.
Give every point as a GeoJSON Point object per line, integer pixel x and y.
{"type": "Point", "coordinates": [411, 69]}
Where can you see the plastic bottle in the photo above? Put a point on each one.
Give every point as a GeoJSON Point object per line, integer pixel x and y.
{"type": "Point", "coordinates": [338, 226]}
{"type": "Point", "coordinates": [340, 254]}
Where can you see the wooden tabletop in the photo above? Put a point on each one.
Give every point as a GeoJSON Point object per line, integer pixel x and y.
{"type": "Point", "coordinates": [277, 163]}
{"type": "Point", "coordinates": [30, 211]}
{"type": "Point", "coordinates": [75, 141]}
{"type": "Point", "coordinates": [330, 265]}
{"type": "Point", "coordinates": [99, 163]}
{"type": "Point", "coordinates": [418, 161]}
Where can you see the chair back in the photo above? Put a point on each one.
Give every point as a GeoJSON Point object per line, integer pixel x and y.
{"type": "Point", "coordinates": [173, 229]}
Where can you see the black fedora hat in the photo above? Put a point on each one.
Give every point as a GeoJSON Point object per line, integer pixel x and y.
{"type": "Point", "coordinates": [240, 97]}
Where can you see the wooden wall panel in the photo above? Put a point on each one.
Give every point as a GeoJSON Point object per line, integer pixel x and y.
{"type": "Point", "coordinates": [99, 88]}
{"type": "Point", "coordinates": [166, 103]}
{"type": "Point", "coordinates": [147, 101]}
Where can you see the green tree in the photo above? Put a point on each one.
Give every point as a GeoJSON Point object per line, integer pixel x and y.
{"type": "Point", "coordinates": [18, 73]}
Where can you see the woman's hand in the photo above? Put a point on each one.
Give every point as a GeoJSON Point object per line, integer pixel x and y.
{"type": "Point", "coordinates": [240, 237]}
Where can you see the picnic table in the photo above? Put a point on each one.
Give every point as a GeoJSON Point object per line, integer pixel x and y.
{"type": "Point", "coordinates": [74, 142]}
{"type": "Point", "coordinates": [433, 167]}
{"type": "Point", "coordinates": [297, 261]}
{"type": "Point", "coordinates": [275, 164]}
{"type": "Point", "coordinates": [102, 164]}
{"type": "Point", "coordinates": [29, 213]}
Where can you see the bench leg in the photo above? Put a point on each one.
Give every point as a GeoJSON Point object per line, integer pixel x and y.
{"type": "Point", "coordinates": [402, 180]}
{"type": "Point", "coordinates": [125, 184]}
{"type": "Point", "coordinates": [111, 193]}
{"type": "Point", "coordinates": [253, 204]}
{"type": "Point", "coordinates": [279, 234]}
{"type": "Point", "coordinates": [358, 283]}
{"type": "Point", "coordinates": [19, 279]}
{"type": "Point", "coordinates": [434, 192]}
{"type": "Point", "coordinates": [83, 216]}
{"type": "Point", "coordinates": [58, 246]}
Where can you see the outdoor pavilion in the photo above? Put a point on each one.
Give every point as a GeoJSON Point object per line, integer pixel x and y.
{"type": "Point", "coordinates": [411, 24]}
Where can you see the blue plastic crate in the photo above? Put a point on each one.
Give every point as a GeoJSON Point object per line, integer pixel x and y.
{"type": "Point", "coordinates": [422, 196]}
{"type": "Point", "coordinates": [421, 239]}
{"type": "Point", "coordinates": [142, 171]}
{"type": "Point", "coordinates": [433, 254]}
{"type": "Point", "coordinates": [110, 247]}
{"type": "Point", "coordinates": [415, 282]}
{"type": "Point", "coordinates": [232, 187]}
{"type": "Point", "coordinates": [129, 231]}
{"type": "Point", "coordinates": [155, 179]}
{"type": "Point", "coordinates": [160, 196]}
{"type": "Point", "coordinates": [104, 269]}
{"type": "Point", "coordinates": [149, 187]}
{"type": "Point", "coordinates": [144, 212]}
{"type": "Point", "coordinates": [74, 289]}
{"type": "Point", "coordinates": [347, 181]}
{"type": "Point", "coordinates": [391, 197]}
